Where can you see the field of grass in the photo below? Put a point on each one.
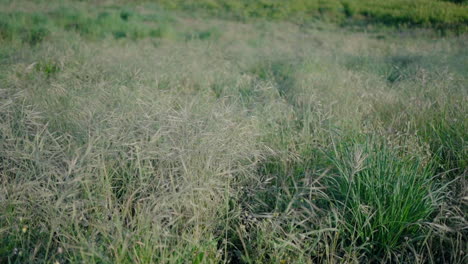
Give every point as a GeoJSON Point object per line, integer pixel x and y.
{"type": "Point", "coordinates": [159, 132]}
{"type": "Point", "coordinates": [441, 14]}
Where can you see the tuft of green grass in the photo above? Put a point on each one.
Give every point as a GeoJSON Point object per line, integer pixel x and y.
{"type": "Point", "coordinates": [28, 28]}
{"type": "Point", "coordinates": [386, 197]}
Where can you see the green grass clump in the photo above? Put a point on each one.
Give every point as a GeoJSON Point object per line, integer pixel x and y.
{"type": "Point", "coordinates": [118, 24]}
{"type": "Point", "coordinates": [24, 27]}
{"type": "Point", "coordinates": [33, 28]}
{"type": "Point", "coordinates": [386, 197]}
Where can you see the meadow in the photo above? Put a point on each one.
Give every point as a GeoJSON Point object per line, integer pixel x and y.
{"type": "Point", "coordinates": [218, 131]}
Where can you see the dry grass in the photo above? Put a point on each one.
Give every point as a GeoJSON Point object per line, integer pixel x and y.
{"type": "Point", "coordinates": [233, 146]}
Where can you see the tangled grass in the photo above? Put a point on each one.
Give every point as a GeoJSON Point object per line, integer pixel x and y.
{"type": "Point", "coordinates": [218, 141]}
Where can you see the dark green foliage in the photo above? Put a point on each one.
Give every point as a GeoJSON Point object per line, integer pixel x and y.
{"type": "Point", "coordinates": [457, 1]}
{"type": "Point", "coordinates": [19, 245]}
{"type": "Point", "coordinates": [49, 68]}
{"type": "Point", "coordinates": [125, 14]}
{"type": "Point", "coordinates": [36, 35]}
{"type": "Point", "coordinates": [95, 25]}
{"type": "Point", "coordinates": [211, 33]}
{"type": "Point", "coordinates": [119, 34]}
{"type": "Point", "coordinates": [27, 28]}
{"type": "Point", "coordinates": [391, 68]}
{"type": "Point", "coordinates": [348, 9]}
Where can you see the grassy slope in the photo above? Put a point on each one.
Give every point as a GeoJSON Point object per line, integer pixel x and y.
{"type": "Point", "coordinates": [136, 135]}
{"type": "Point", "coordinates": [427, 13]}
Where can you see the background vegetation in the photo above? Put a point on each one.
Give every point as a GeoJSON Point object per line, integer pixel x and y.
{"type": "Point", "coordinates": [290, 132]}
{"type": "Point", "coordinates": [428, 13]}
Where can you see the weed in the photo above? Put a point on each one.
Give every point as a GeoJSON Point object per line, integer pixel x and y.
{"type": "Point", "coordinates": [49, 68]}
